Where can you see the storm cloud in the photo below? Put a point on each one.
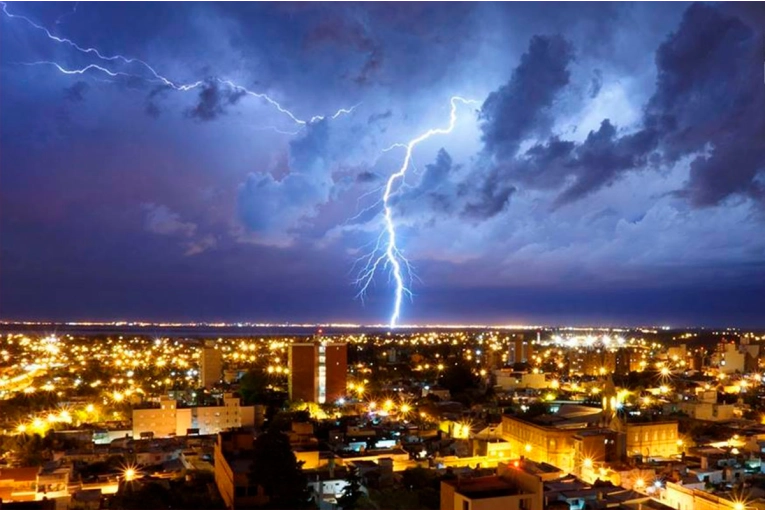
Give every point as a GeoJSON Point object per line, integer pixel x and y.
{"type": "Point", "coordinates": [616, 159]}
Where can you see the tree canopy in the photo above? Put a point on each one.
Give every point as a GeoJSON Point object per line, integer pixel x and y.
{"type": "Point", "coordinates": [352, 493]}
{"type": "Point", "coordinates": [278, 472]}
{"type": "Point", "coordinates": [458, 378]}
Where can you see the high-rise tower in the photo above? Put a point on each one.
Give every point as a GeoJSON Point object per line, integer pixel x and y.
{"type": "Point", "coordinates": [318, 371]}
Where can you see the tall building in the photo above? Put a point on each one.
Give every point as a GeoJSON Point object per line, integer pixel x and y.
{"type": "Point", "coordinates": [622, 361]}
{"type": "Point", "coordinates": [317, 371]}
{"type": "Point", "coordinates": [518, 349]}
{"type": "Point", "coordinates": [522, 351]}
{"type": "Point", "coordinates": [593, 362]}
{"type": "Point", "coordinates": [210, 365]}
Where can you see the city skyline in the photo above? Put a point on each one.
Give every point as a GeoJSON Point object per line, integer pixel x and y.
{"type": "Point", "coordinates": [604, 164]}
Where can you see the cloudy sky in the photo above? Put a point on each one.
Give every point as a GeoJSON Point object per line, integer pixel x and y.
{"type": "Point", "coordinates": [184, 161]}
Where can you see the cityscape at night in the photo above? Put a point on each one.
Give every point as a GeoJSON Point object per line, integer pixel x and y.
{"type": "Point", "coordinates": [384, 255]}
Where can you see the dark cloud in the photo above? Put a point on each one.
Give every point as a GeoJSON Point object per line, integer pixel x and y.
{"type": "Point", "coordinates": [435, 192]}
{"type": "Point", "coordinates": [710, 98]}
{"type": "Point", "coordinates": [602, 158]}
{"type": "Point", "coordinates": [76, 177]}
{"type": "Point", "coordinates": [490, 198]}
{"type": "Point", "coordinates": [151, 106]}
{"type": "Point", "coordinates": [596, 83]}
{"type": "Point", "coordinates": [350, 34]}
{"type": "Point", "coordinates": [233, 96]}
{"type": "Point", "coordinates": [376, 117]}
{"type": "Point", "coordinates": [367, 176]}
{"type": "Point", "coordinates": [522, 106]}
{"type": "Point", "coordinates": [209, 106]}
{"type": "Point", "coordinates": [76, 93]}
{"type": "Point", "coordinates": [579, 168]}
{"type": "Point", "coordinates": [436, 174]}
{"type": "Point", "coordinates": [518, 109]}
{"type": "Point", "coordinates": [709, 85]}
{"type": "Point", "coordinates": [543, 166]}
{"type": "Point", "coordinates": [371, 67]}
{"type": "Point", "coordinates": [152, 109]}
{"type": "Point", "coordinates": [213, 100]}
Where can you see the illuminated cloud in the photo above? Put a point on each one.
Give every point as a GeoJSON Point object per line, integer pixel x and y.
{"type": "Point", "coordinates": [615, 159]}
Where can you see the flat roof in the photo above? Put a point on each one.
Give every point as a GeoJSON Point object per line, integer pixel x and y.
{"type": "Point", "coordinates": [24, 474]}
{"type": "Point", "coordinates": [484, 487]}
{"type": "Point", "coordinates": [595, 432]}
{"type": "Point", "coordinates": [532, 467]}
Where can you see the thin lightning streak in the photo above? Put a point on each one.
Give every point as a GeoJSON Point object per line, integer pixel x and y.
{"type": "Point", "coordinates": [363, 211]}
{"type": "Point", "coordinates": [94, 51]}
{"type": "Point", "coordinates": [392, 256]}
{"type": "Point", "coordinates": [84, 70]}
{"type": "Point", "coordinates": [157, 76]}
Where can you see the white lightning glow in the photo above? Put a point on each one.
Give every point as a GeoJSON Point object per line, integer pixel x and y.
{"type": "Point", "coordinates": [155, 75]}
{"type": "Point", "coordinates": [386, 250]}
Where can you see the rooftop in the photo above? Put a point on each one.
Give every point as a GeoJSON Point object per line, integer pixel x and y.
{"type": "Point", "coordinates": [484, 487]}
{"type": "Point", "coordinates": [24, 474]}
{"type": "Point", "coordinates": [567, 416]}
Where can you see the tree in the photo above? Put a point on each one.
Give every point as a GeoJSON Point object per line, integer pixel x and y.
{"type": "Point", "coordinates": [253, 386]}
{"type": "Point", "coordinates": [349, 499]}
{"type": "Point", "coordinates": [277, 471]}
{"type": "Point", "coordinates": [29, 450]}
{"type": "Point", "coordinates": [417, 478]}
{"type": "Point", "coordinates": [458, 378]}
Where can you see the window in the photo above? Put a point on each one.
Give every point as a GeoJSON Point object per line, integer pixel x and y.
{"type": "Point", "coordinates": [465, 505]}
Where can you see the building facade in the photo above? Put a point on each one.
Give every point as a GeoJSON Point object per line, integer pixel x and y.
{"type": "Point", "coordinates": [170, 420]}
{"type": "Point", "coordinates": [318, 371]}
{"type": "Point", "coordinates": [652, 439]}
{"type": "Point", "coordinates": [486, 493]}
{"type": "Point", "coordinates": [539, 443]}
{"type": "Point", "coordinates": [210, 366]}
{"type": "Point", "coordinates": [685, 498]}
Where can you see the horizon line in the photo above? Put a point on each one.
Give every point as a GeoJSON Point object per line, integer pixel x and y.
{"type": "Point", "coordinates": [350, 325]}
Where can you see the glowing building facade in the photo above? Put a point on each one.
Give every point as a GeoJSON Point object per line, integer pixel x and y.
{"type": "Point", "coordinates": [170, 420]}
{"type": "Point", "coordinates": [652, 439]}
{"type": "Point", "coordinates": [318, 371]}
{"type": "Point", "coordinates": [210, 366]}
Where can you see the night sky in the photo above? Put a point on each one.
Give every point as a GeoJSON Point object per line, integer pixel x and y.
{"type": "Point", "coordinates": [611, 170]}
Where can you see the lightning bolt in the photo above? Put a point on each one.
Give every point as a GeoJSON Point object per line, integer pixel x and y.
{"type": "Point", "coordinates": [386, 251]}
{"type": "Point", "coordinates": [156, 77]}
